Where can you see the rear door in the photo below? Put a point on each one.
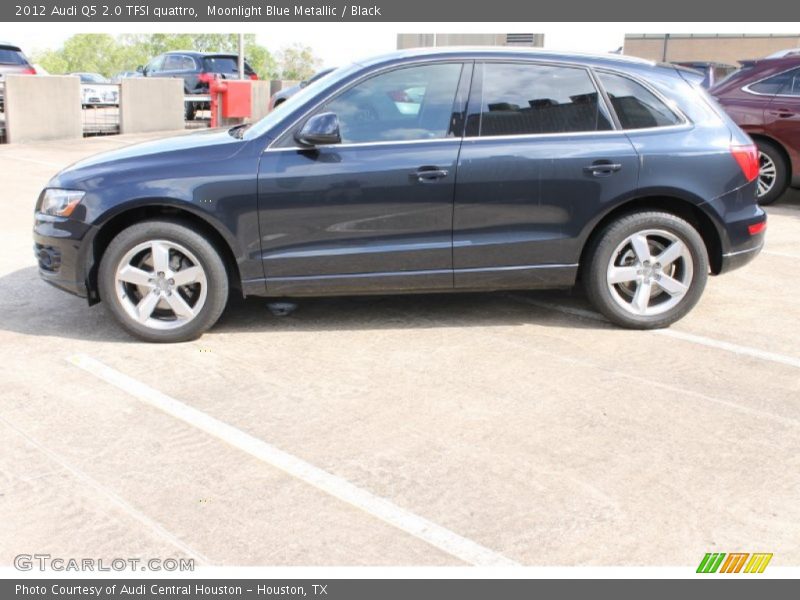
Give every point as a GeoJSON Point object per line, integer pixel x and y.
{"type": "Point", "coordinates": [540, 159]}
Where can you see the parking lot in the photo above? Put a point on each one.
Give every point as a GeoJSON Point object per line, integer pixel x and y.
{"type": "Point", "coordinates": [421, 430]}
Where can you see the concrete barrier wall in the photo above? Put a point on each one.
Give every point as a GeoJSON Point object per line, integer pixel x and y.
{"type": "Point", "coordinates": [150, 104]}
{"type": "Point", "coordinates": [260, 91]}
{"type": "Point", "coordinates": [42, 108]}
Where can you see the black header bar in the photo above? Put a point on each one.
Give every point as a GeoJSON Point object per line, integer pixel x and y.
{"type": "Point", "coordinates": [399, 10]}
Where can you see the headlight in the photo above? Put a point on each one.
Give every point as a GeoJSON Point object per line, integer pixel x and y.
{"type": "Point", "coordinates": [60, 203]}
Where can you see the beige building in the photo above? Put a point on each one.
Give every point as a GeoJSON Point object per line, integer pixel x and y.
{"type": "Point", "coordinates": [725, 48]}
{"type": "Point", "coordinates": [430, 40]}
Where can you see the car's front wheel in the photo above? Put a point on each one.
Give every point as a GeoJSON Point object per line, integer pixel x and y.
{"type": "Point", "coordinates": [163, 281]}
{"type": "Point", "coordinates": [646, 270]}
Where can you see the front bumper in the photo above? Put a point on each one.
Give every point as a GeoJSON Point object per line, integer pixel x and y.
{"type": "Point", "coordinates": [61, 252]}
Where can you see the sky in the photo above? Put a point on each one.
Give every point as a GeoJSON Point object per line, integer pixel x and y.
{"type": "Point", "coordinates": [341, 43]}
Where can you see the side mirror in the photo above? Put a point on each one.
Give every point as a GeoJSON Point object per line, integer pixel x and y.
{"type": "Point", "coordinates": [140, 69]}
{"type": "Point", "coordinates": [321, 129]}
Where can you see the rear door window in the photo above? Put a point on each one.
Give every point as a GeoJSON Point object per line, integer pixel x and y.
{"type": "Point", "coordinates": [525, 99]}
{"type": "Point", "coordinates": [773, 85]}
{"type": "Point", "coordinates": [635, 105]}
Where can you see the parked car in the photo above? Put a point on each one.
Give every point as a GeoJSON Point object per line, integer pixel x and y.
{"type": "Point", "coordinates": [712, 72]}
{"type": "Point", "coordinates": [12, 62]}
{"type": "Point", "coordinates": [763, 97]}
{"type": "Point", "coordinates": [785, 53]}
{"type": "Point", "coordinates": [196, 69]}
{"type": "Point", "coordinates": [97, 90]}
{"type": "Point", "coordinates": [125, 75]}
{"type": "Point", "coordinates": [520, 169]}
{"type": "Point", "coordinates": [283, 95]}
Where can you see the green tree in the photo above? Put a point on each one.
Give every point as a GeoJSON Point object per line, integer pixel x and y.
{"type": "Point", "coordinates": [108, 55]}
{"type": "Point", "coordinates": [297, 62]}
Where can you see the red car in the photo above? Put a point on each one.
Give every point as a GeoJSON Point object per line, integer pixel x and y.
{"type": "Point", "coordinates": [763, 97]}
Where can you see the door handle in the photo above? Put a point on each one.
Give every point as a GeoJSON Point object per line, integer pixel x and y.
{"type": "Point", "coordinates": [602, 168]}
{"type": "Point", "coordinates": [427, 174]}
{"type": "Point", "coordinates": [783, 113]}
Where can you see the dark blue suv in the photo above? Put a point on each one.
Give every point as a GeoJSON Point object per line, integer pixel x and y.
{"type": "Point", "coordinates": [443, 170]}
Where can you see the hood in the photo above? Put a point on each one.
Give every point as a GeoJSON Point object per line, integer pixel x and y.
{"type": "Point", "coordinates": [211, 144]}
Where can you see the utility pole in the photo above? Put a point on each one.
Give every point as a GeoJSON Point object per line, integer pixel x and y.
{"type": "Point", "coordinates": [241, 56]}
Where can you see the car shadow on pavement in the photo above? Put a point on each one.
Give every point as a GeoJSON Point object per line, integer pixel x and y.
{"type": "Point", "coordinates": [29, 306]}
{"type": "Point", "coordinates": [787, 205]}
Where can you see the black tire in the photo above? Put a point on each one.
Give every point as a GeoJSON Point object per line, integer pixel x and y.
{"type": "Point", "coordinates": [609, 299]}
{"type": "Point", "coordinates": [204, 253]}
{"type": "Point", "coordinates": [780, 182]}
{"type": "Point", "coordinates": [190, 111]}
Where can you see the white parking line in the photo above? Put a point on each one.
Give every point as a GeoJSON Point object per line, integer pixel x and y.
{"type": "Point", "coordinates": [435, 535]}
{"type": "Point", "coordinates": [118, 501]}
{"type": "Point", "coordinates": [783, 359]}
{"type": "Point", "coordinates": [783, 254]}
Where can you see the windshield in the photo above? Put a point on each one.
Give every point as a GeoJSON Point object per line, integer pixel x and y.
{"type": "Point", "coordinates": [308, 92]}
{"type": "Point", "coordinates": [92, 78]}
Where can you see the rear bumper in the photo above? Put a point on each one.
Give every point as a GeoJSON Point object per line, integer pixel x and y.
{"type": "Point", "coordinates": [735, 260]}
{"type": "Point", "coordinates": [735, 213]}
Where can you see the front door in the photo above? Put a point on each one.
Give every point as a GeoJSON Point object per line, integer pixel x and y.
{"type": "Point", "coordinates": [375, 211]}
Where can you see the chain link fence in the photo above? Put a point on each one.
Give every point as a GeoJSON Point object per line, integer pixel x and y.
{"type": "Point", "coordinates": [100, 109]}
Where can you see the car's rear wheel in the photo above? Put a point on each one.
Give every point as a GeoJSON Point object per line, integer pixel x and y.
{"type": "Point", "coordinates": [772, 173]}
{"type": "Point", "coordinates": [646, 270]}
{"type": "Point", "coordinates": [163, 281]}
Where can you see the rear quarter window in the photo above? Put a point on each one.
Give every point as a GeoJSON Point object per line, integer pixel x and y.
{"type": "Point", "coordinates": [635, 105]}
{"type": "Point", "coordinates": [12, 56]}
{"type": "Point", "coordinates": [786, 83]}
{"type": "Point", "coordinates": [224, 64]}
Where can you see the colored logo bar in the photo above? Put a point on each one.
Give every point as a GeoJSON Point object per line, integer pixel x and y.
{"type": "Point", "coordinates": [734, 562]}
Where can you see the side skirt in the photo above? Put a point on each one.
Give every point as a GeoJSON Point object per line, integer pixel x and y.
{"type": "Point", "coordinates": [400, 282]}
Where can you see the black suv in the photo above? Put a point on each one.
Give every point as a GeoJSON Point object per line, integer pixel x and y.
{"type": "Point", "coordinates": [197, 69]}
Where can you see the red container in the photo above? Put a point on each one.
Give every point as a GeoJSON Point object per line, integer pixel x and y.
{"type": "Point", "coordinates": [236, 100]}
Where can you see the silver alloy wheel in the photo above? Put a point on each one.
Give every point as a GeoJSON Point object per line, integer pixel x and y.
{"type": "Point", "coordinates": [650, 272]}
{"type": "Point", "coordinates": [161, 284]}
{"type": "Point", "coordinates": [767, 172]}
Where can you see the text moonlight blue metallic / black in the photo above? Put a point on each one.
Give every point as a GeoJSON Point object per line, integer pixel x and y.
{"type": "Point", "coordinates": [420, 171]}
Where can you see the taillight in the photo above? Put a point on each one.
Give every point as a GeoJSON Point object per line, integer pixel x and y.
{"type": "Point", "coordinates": [29, 71]}
{"type": "Point", "coordinates": [747, 157]}
{"type": "Point", "coordinates": [757, 228]}
{"type": "Point", "coordinates": [253, 76]}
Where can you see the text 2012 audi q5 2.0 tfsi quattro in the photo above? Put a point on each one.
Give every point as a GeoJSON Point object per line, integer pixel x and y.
{"type": "Point", "coordinates": [443, 170]}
